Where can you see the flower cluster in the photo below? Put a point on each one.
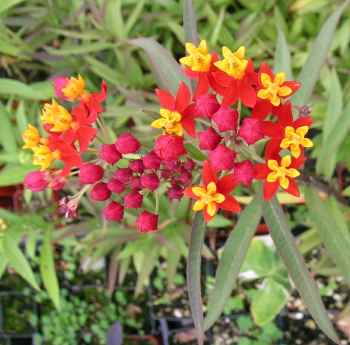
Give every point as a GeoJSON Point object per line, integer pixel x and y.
{"type": "Point", "coordinates": [223, 86]}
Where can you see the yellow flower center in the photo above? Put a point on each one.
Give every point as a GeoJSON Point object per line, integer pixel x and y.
{"type": "Point", "coordinates": [48, 111]}
{"type": "Point", "coordinates": [234, 64]}
{"type": "Point", "coordinates": [281, 172]}
{"type": "Point", "coordinates": [170, 120]}
{"type": "Point", "coordinates": [31, 137]}
{"type": "Point", "coordinates": [57, 116]}
{"type": "Point", "coordinates": [198, 59]}
{"type": "Point", "coordinates": [74, 87]}
{"type": "Point", "coordinates": [293, 139]}
{"type": "Point", "coordinates": [43, 156]}
{"type": "Point", "coordinates": [208, 197]}
{"type": "Point", "coordinates": [274, 90]}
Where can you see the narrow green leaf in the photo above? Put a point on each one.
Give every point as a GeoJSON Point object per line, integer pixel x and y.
{"type": "Point", "coordinates": [21, 118]}
{"type": "Point", "coordinates": [190, 22]}
{"type": "Point", "coordinates": [7, 133]}
{"type": "Point", "coordinates": [194, 274]}
{"type": "Point", "coordinates": [3, 264]}
{"type": "Point", "coordinates": [335, 138]}
{"type": "Point", "coordinates": [15, 173]}
{"type": "Point", "coordinates": [48, 272]}
{"type": "Point", "coordinates": [296, 267]}
{"type": "Point", "coordinates": [219, 221]}
{"type": "Point", "coordinates": [80, 49]}
{"type": "Point", "coordinates": [167, 69]}
{"type": "Point", "coordinates": [309, 240]}
{"type": "Point", "coordinates": [195, 153]}
{"type": "Point", "coordinates": [282, 61]}
{"type": "Point", "coordinates": [6, 4]}
{"type": "Point", "coordinates": [153, 114]}
{"type": "Point", "coordinates": [232, 258]}
{"type": "Point", "coordinates": [7, 215]}
{"type": "Point", "coordinates": [334, 240]}
{"type": "Point", "coordinates": [134, 16]}
{"type": "Point", "coordinates": [10, 87]}
{"type": "Point", "coordinates": [318, 54]}
{"type": "Point", "coordinates": [16, 258]}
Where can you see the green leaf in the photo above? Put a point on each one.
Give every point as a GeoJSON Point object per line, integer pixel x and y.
{"type": "Point", "coordinates": [268, 301]}
{"type": "Point", "coordinates": [232, 258]}
{"type": "Point", "coordinates": [311, 69]}
{"type": "Point", "coordinates": [195, 153]}
{"type": "Point", "coordinates": [294, 262]}
{"type": "Point", "coordinates": [48, 272]}
{"type": "Point", "coordinates": [16, 258]}
{"type": "Point", "coordinates": [166, 68]}
{"type": "Point", "coordinates": [3, 265]}
{"type": "Point", "coordinates": [134, 16]}
{"type": "Point", "coordinates": [282, 60]}
{"type": "Point", "coordinates": [10, 87]}
{"type": "Point", "coordinates": [7, 133]}
{"type": "Point", "coordinates": [7, 215]}
{"type": "Point", "coordinates": [334, 140]}
{"type": "Point", "coordinates": [190, 22]}
{"type": "Point", "coordinates": [80, 49]}
{"type": "Point", "coordinates": [15, 173]}
{"type": "Point", "coordinates": [6, 4]}
{"type": "Point", "coordinates": [194, 274]}
{"type": "Point", "coordinates": [219, 221]}
{"type": "Point", "coordinates": [334, 240]}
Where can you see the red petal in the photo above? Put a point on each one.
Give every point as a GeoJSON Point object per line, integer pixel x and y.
{"type": "Point", "coordinates": [219, 89]}
{"type": "Point", "coordinates": [231, 94]}
{"type": "Point", "coordinates": [203, 86]}
{"type": "Point", "coordinates": [297, 162]}
{"type": "Point", "coordinates": [273, 130]}
{"type": "Point", "coordinates": [273, 148]}
{"type": "Point", "coordinates": [189, 112]}
{"type": "Point", "coordinates": [293, 85]}
{"type": "Point", "coordinates": [191, 74]}
{"type": "Point", "coordinates": [100, 97]}
{"type": "Point", "coordinates": [303, 121]}
{"type": "Point", "coordinates": [246, 93]}
{"type": "Point", "coordinates": [285, 115]}
{"type": "Point", "coordinates": [292, 188]}
{"type": "Point", "coordinates": [207, 217]}
{"type": "Point", "coordinates": [226, 184]}
{"type": "Point", "coordinates": [73, 160]}
{"type": "Point", "coordinates": [190, 127]}
{"type": "Point", "coordinates": [183, 97]}
{"type": "Point", "coordinates": [209, 174]}
{"type": "Point", "coordinates": [261, 109]}
{"type": "Point", "coordinates": [188, 192]}
{"type": "Point", "coordinates": [222, 78]}
{"type": "Point", "coordinates": [270, 189]}
{"type": "Point", "coordinates": [265, 69]}
{"type": "Point", "coordinates": [230, 204]}
{"type": "Point", "coordinates": [263, 170]}
{"type": "Point", "coordinates": [166, 99]}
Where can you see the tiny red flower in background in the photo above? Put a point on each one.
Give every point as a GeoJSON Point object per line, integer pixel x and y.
{"type": "Point", "coordinates": [279, 172]}
{"type": "Point", "coordinates": [214, 193]}
{"type": "Point", "coordinates": [177, 114]}
{"type": "Point", "coordinates": [271, 88]}
{"type": "Point", "coordinates": [252, 130]}
{"type": "Point", "coordinates": [288, 134]}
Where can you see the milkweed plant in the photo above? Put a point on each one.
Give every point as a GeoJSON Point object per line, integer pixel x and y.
{"type": "Point", "coordinates": [222, 107]}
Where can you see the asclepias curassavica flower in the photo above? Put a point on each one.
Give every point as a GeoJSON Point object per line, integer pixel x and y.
{"type": "Point", "coordinates": [223, 87]}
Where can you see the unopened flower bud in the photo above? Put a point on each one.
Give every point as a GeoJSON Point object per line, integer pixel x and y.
{"type": "Point", "coordinates": [100, 192]}
{"type": "Point", "coordinates": [37, 180]}
{"type": "Point", "coordinates": [123, 175]}
{"type": "Point", "coordinates": [136, 166]}
{"type": "Point", "coordinates": [207, 105]}
{"type": "Point", "coordinates": [209, 139]}
{"type": "Point", "coordinates": [226, 119]}
{"type": "Point", "coordinates": [127, 143]}
{"type": "Point", "coordinates": [133, 200]}
{"type": "Point", "coordinates": [110, 154]}
{"type": "Point", "coordinates": [175, 192]}
{"type": "Point", "coordinates": [150, 181]}
{"type": "Point", "coordinates": [114, 211]}
{"type": "Point", "coordinates": [222, 158]}
{"type": "Point", "coordinates": [136, 183]}
{"type": "Point", "coordinates": [90, 173]}
{"type": "Point", "coordinates": [189, 164]}
{"type": "Point", "coordinates": [186, 178]}
{"type": "Point", "coordinates": [116, 186]}
{"type": "Point", "coordinates": [147, 221]}
{"type": "Point", "coordinates": [151, 161]}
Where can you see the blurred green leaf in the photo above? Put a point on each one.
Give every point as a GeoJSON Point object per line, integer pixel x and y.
{"type": "Point", "coordinates": [168, 70]}
{"type": "Point", "coordinates": [282, 60]}
{"type": "Point", "coordinates": [311, 69]}
{"type": "Point", "coordinates": [11, 87]}
{"type": "Point", "coordinates": [3, 264]}
{"type": "Point", "coordinates": [48, 272]}
{"type": "Point", "coordinates": [296, 267]}
{"type": "Point", "coordinates": [195, 153]}
{"type": "Point", "coordinates": [194, 274]}
{"type": "Point", "coordinates": [13, 174]}
{"type": "Point", "coordinates": [6, 4]}
{"type": "Point", "coordinates": [337, 245]}
{"type": "Point", "coordinates": [190, 22]}
{"type": "Point", "coordinates": [80, 49]}
{"type": "Point", "coordinates": [219, 221]}
{"type": "Point", "coordinates": [18, 261]}
{"type": "Point", "coordinates": [7, 133]}
{"type": "Point", "coordinates": [232, 258]}
{"type": "Point", "coordinates": [335, 138]}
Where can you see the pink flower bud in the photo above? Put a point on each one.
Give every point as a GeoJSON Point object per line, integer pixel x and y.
{"type": "Point", "coordinates": [151, 161]}
{"type": "Point", "coordinates": [37, 180]}
{"type": "Point", "coordinates": [209, 140]}
{"type": "Point", "coordinates": [127, 143]}
{"type": "Point", "coordinates": [136, 166]}
{"type": "Point", "coordinates": [133, 200]}
{"type": "Point", "coordinates": [147, 221]}
{"type": "Point", "coordinates": [58, 182]}
{"type": "Point", "coordinates": [90, 173]}
{"type": "Point", "coordinates": [175, 192]}
{"type": "Point", "coordinates": [110, 154]}
{"type": "Point", "coordinates": [150, 181]}
{"type": "Point", "coordinates": [100, 192]}
{"type": "Point", "coordinates": [175, 181]}
{"type": "Point", "coordinates": [59, 84]}
{"type": "Point", "coordinates": [124, 175]}
{"type": "Point", "coordinates": [169, 147]}
{"type": "Point", "coordinates": [189, 164]}
{"type": "Point", "coordinates": [114, 211]}
{"type": "Point", "coordinates": [116, 186]}
{"type": "Point", "coordinates": [251, 130]}
{"type": "Point", "coordinates": [226, 119]}
{"type": "Point", "coordinates": [222, 158]}
{"type": "Point", "coordinates": [136, 183]}
{"type": "Point", "coordinates": [207, 105]}
{"type": "Point", "coordinates": [174, 166]}
{"type": "Point", "coordinates": [186, 178]}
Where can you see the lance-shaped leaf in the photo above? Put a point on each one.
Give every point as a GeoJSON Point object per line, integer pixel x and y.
{"type": "Point", "coordinates": [282, 61]}
{"type": "Point", "coordinates": [232, 258]}
{"type": "Point", "coordinates": [296, 267]}
{"type": "Point", "coordinates": [164, 65]}
{"type": "Point", "coordinates": [318, 54]}
{"type": "Point", "coordinates": [334, 240]}
{"type": "Point", "coordinates": [18, 261]}
{"type": "Point", "coordinates": [48, 272]}
{"type": "Point", "coordinates": [194, 274]}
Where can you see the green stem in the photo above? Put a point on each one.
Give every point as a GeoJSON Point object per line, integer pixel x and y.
{"type": "Point", "coordinates": [248, 151]}
{"type": "Point", "coordinates": [156, 195]}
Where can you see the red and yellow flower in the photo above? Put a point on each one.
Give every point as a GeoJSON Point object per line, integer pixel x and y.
{"type": "Point", "coordinates": [31, 138]}
{"type": "Point", "coordinates": [214, 193]}
{"type": "Point", "coordinates": [270, 90]}
{"type": "Point", "coordinates": [177, 114]}
{"type": "Point", "coordinates": [288, 134]}
{"type": "Point", "coordinates": [279, 172]}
